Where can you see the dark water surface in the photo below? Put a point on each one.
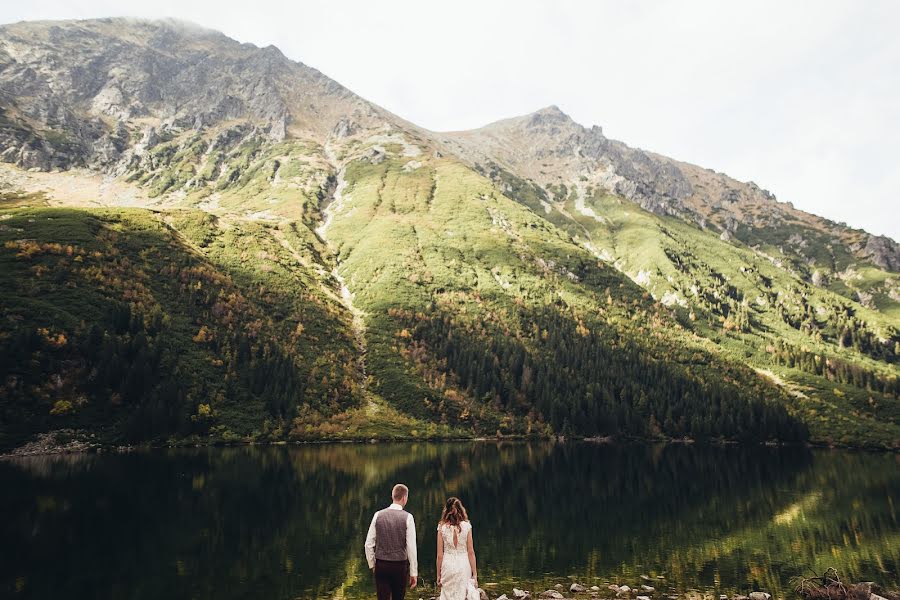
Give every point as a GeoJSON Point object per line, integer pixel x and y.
{"type": "Point", "coordinates": [289, 522]}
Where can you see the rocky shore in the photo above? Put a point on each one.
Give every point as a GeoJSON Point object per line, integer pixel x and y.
{"type": "Point", "coordinates": [646, 591]}
{"type": "Point", "coordinates": [61, 441]}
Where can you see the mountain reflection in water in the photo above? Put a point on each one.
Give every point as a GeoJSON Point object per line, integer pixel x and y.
{"type": "Point", "coordinates": [289, 522]}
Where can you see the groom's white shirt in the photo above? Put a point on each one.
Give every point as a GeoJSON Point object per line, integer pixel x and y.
{"type": "Point", "coordinates": [410, 541]}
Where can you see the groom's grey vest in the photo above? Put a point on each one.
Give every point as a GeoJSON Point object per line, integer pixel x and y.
{"type": "Point", "coordinates": [390, 534]}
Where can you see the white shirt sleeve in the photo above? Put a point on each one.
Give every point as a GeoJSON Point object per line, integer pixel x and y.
{"type": "Point", "coordinates": [370, 543]}
{"type": "Point", "coordinates": [411, 552]}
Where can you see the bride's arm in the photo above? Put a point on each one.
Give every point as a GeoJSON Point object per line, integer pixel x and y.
{"type": "Point", "coordinates": [470, 547]}
{"type": "Point", "coordinates": [440, 555]}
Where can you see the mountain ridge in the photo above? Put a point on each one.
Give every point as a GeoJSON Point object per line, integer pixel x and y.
{"type": "Point", "coordinates": [671, 195]}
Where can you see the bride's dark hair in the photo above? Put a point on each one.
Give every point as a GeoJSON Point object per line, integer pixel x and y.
{"type": "Point", "coordinates": [454, 512]}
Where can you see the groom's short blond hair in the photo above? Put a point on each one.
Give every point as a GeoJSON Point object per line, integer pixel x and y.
{"type": "Point", "coordinates": [399, 492]}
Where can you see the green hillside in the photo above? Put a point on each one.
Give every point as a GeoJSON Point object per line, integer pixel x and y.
{"type": "Point", "coordinates": [836, 358]}
{"type": "Point", "coordinates": [141, 326]}
{"type": "Point", "coordinates": [496, 309]}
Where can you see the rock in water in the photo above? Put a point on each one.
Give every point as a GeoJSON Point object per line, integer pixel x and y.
{"type": "Point", "coordinates": [577, 588]}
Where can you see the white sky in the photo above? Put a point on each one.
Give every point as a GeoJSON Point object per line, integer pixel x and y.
{"type": "Point", "coordinates": [801, 97]}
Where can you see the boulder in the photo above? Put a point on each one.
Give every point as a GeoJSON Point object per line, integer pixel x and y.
{"type": "Point", "coordinates": [577, 588]}
{"type": "Point", "coordinates": [594, 588]}
{"type": "Point", "coordinates": [503, 597]}
{"type": "Point", "coordinates": [614, 587]}
{"type": "Point", "coordinates": [558, 586]}
{"type": "Point", "coordinates": [482, 595]}
{"type": "Point", "coordinates": [624, 589]}
{"type": "Point", "coordinates": [551, 594]}
{"type": "Point", "coordinates": [759, 596]}
{"type": "Point", "coordinates": [643, 598]}
{"type": "Point", "coordinates": [520, 593]}
{"type": "Point", "coordinates": [739, 597]}
{"type": "Point", "coordinates": [647, 588]}
{"type": "Point", "coordinates": [645, 577]}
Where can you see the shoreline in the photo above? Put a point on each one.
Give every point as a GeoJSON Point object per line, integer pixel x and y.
{"type": "Point", "coordinates": [658, 588]}
{"type": "Point", "coordinates": [47, 444]}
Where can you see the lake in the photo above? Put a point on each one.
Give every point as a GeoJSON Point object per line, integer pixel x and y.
{"type": "Point", "coordinates": [289, 521]}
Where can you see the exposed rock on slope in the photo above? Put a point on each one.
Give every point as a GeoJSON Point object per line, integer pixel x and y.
{"type": "Point", "coordinates": [123, 84]}
{"type": "Point", "coordinates": [550, 149]}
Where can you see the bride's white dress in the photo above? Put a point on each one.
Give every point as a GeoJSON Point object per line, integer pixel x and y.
{"type": "Point", "coordinates": [456, 572]}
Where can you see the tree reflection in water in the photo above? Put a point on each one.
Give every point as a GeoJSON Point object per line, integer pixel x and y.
{"type": "Point", "coordinates": [288, 522]}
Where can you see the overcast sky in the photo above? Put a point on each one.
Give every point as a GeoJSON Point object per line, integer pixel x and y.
{"type": "Point", "coordinates": [801, 97]}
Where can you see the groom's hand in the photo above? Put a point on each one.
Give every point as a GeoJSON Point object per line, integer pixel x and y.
{"type": "Point", "coordinates": [412, 581]}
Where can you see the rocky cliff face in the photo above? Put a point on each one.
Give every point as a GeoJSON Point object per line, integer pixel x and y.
{"type": "Point", "coordinates": [550, 148]}
{"type": "Point", "coordinates": [85, 93]}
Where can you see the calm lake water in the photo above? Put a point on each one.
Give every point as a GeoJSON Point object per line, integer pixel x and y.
{"type": "Point", "coordinates": [289, 522]}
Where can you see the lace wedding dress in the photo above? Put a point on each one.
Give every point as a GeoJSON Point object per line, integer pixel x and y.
{"type": "Point", "coordinates": [456, 572]}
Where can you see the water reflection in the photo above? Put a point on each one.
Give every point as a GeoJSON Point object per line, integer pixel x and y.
{"type": "Point", "coordinates": [288, 522]}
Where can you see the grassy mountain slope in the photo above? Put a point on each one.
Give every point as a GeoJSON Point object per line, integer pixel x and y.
{"type": "Point", "coordinates": [823, 328]}
{"type": "Point", "coordinates": [556, 155]}
{"type": "Point", "coordinates": [757, 312]}
{"type": "Point", "coordinates": [495, 309]}
{"type": "Point", "coordinates": [139, 325]}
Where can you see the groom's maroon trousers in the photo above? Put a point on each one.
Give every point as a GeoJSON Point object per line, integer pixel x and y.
{"type": "Point", "coordinates": [390, 579]}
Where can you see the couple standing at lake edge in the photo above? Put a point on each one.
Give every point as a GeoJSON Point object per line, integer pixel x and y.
{"type": "Point", "coordinates": [392, 555]}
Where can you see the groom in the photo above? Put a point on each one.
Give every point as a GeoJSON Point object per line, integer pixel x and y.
{"type": "Point", "coordinates": [391, 547]}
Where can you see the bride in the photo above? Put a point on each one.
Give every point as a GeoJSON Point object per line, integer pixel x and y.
{"type": "Point", "coordinates": [456, 571]}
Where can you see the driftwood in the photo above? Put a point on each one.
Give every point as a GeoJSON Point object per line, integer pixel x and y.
{"type": "Point", "coordinates": [829, 586]}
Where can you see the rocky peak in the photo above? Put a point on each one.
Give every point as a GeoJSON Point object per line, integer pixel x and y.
{"type": "Point", "coordinates": [547, 146]}
{"type": "Point", "coordinates": [548, 116]}
{"type": "Point", "coordinates": [73, 90]}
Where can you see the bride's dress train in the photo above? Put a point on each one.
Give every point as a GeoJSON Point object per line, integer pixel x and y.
{"type": "Point", "coordinates": [456, 572]}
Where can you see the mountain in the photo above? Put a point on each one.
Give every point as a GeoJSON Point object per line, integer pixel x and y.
{"type": "Point", "coordinates": [204, 240]}
{"type": "Point", "coordinates": [551, 150]}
